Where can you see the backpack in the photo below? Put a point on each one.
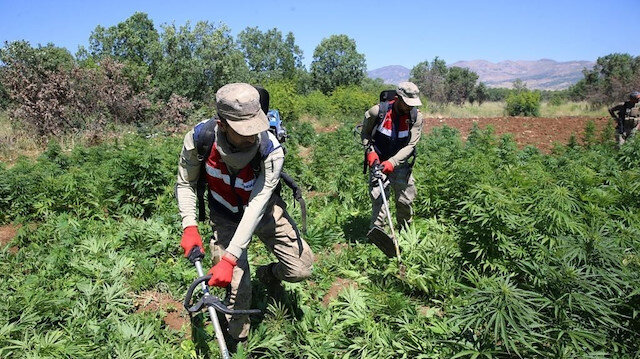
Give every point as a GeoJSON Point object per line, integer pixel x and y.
{"type": "Point", "coordinates": [204, 137]}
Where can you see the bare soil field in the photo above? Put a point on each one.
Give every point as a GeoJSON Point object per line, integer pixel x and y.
{"type": "Point", "coordinates": [536, 131]}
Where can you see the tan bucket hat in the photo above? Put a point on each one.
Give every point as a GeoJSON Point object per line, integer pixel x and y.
{"type": "Point", "coordinates": [239, 104]}
{"type": "Point", "coordinates": [410, 93]}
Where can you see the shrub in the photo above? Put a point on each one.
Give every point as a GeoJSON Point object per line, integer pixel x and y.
{"type": "Point", "coordinates": [175, 112]}
{"type": "Point", "coordinates": [352, 100]}
{"type": "Point", "coordinates": [54, 102]}
{"type": "Point", "coordinates": [557, 100]}
{"type": "Point", "coordinates": [284, 97]}
{"type": "Point", "coordinates": [523, 103]}
{"type": "Point", "coordinates": [317, 104]}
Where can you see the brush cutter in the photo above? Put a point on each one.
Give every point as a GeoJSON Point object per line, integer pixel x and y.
{"type": "Point", "coordinates": [213, 303]}
{"type": "Point", "coordinates": [387, 244]}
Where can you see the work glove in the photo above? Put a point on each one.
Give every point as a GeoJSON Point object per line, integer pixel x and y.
{"type": "Point", "coordinates": [372, 158]}
{"type": "Point", "coordinates": [190, 239]}
{"type": "Point", "coordinates": [222, 272]}
{"type": "Point", "coordinates": [387, 167]}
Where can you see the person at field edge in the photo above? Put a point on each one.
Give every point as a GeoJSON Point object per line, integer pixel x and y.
{"type": "Point", "coordinates": [627, 115]}
{"type": "Point", "coordinates": [390, 139]}
{"type": "Point", "coordinates": [243, 199]}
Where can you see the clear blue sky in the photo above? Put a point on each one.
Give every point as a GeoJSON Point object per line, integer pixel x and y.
{"type": "Point", "coordinates": [388, 33]}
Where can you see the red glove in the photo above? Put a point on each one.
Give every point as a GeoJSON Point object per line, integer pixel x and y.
{"type": "Point", "coordinates": [387, 167]}
{"type": "Point", "coordinates": [222, 272]}
{"type": "Point", "coordinates": [190, 239]}
{"type": "Point", "coordinates": [372, 157]}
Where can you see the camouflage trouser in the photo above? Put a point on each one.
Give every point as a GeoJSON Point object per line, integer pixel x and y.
{"type": "Point", "coordinates": [404, 190]}
{"type": "Point", "coordinates": [279, 233]}
{"type": "Point", "coordinates": [630, 129]}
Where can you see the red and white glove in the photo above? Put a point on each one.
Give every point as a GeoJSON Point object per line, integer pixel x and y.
{"type": "Point", "coordinates": [387, 167]}
{"type": "Point", "coordinates": [190, 239]}
{"type": "Point", "coordinates": [222, 272]}
{"type": "Point", "coordinates": [372, 158]}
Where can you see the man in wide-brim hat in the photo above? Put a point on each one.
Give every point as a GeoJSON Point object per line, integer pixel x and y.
{"type": "Point", "coordinates": [390, 132]}
{"type": "Point", "coordinates": [242, 173]}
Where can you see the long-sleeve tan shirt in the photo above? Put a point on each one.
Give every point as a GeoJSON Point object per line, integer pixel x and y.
{"type": "Point", "coordinates": [189, 171]}
{"type": "Point", "coordinates": [370, 124]}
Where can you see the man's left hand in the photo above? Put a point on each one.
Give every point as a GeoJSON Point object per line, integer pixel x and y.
{"type": "Point", "coordinates": [222, 272]}
{"type": "Point", "coordinates": [387, 167]}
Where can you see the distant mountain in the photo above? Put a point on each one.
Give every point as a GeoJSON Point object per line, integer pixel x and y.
{"type": "Point", "coordinates": [542, 74]}
{"type": "Point", "coordinates": [393, 74]}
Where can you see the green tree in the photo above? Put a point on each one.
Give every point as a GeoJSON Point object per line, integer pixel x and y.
{"type": "Point", "coordinates": [47, 58]}
{"type": "Point", "coordinates": [430, 77]}
{"type": "Point", "coordinates": [197, 61]}
{"type": "Point", "coordinates": [610, 80]}
{"type": "Point", "coordinates": [479, 94]}
{"type": "Point", "coordinates": [269, 55]}
{"type": "Point", "coordinates": [336, 62]}
{"type": "Point", "coordinates": [135, 39]}
{"type": "Point", "coordinates": [460, 83]}
{"type": "Point", "coordinates": [134, 42]}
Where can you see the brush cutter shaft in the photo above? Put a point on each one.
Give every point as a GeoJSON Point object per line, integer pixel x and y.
{"type": "Point", "coordinates": [377, 174]}
{"type": "Point", "coordinates": [214, 316]}
{"type": "Point", "coordinates": [386, 206]}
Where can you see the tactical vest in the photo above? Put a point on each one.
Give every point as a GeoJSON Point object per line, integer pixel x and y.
{"type": "Point", "coordinates": [228, 193]}
{"type": "Point", "coordinates": [392, 131]}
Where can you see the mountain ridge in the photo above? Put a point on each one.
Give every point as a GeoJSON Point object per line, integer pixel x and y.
{"type": "Point", "coordinates": [543, 74]}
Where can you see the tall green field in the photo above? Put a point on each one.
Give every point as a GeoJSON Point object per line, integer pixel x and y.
{"type": "Point", "coordinates": [512, 253]}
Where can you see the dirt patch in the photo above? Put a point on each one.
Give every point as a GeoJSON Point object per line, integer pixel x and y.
{"type": "Point", "coordinates": [337, 287]}
{"type": "Point", "coordinates": [427, 311]}
{"type": "Point", "coordinates": [7, 233]}
{"type": "Point", "coordinates": [312, 194]}
{"type": "Point", "coordinates": [150, 301]}
{"type": "Point", "coordinates": [328, 129]}
{"type": "Point", "coordinates": [339, 247]}
{"type": "Point", "coordinates": [305, 154]}
{"type": "Point", "coordinates": [318, 125]}
{"type": "Point", "coordinates": [536, 131]}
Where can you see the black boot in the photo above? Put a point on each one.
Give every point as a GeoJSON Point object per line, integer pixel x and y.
{"type": "Point", "coordinates": [267, 277]}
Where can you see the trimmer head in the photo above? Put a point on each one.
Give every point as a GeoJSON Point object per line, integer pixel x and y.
{"type": "Point", "coordinates": [383, 241]}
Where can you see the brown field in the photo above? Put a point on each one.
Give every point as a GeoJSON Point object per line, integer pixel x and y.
{"type": "Point", "coordinates": [536, 131]}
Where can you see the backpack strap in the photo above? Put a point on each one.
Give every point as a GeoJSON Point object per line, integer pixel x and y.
{"type": "Point", "coordinates": [266, 147]}
{"type": "Point", "coordinates": [383, 108]}
{"type": "Point", "coordinates": [414, 116]}
{"type": "Point", "coordinates": [204, 135]}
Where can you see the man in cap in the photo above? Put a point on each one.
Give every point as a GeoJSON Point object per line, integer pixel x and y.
{"type": "Point", "coordinates": [242, 173]}
{"type": "Point", "coordinates": [390, 133]}
{"type": "Point", "coordinates": [627, 118]}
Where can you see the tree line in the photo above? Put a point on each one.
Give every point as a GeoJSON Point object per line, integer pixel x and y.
{"type": "Point", "coordinates": [136, 72]}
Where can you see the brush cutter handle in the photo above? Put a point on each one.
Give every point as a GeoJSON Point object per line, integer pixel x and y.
{"type": "Point", "coordinates": [376, 170]}
{"type": "Point", "coordinates": [195, 255]}
{"type": "Point", "coordinates": [209, 300]}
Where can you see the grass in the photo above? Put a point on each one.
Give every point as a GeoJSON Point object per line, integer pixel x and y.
{"type": "Point", "coordinates": [581, 108]}
{"type": "Point", "coordinates": [15, 142]}
{"type": "Point", "coordinates": [487, 109]}
{"type": "Point", "coordinates": [497, 109]}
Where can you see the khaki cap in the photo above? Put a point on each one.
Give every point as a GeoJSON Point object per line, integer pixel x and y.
{"type": "Point", "coordinates": [409, 93]}
{"type": "Point", "coordinates": [239, 104]}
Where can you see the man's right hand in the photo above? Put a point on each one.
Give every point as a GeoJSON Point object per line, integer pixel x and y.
{"type": "Point", "coordinates": [191, 238]}
{"type": "Point", "coordinates": [372, 158]}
